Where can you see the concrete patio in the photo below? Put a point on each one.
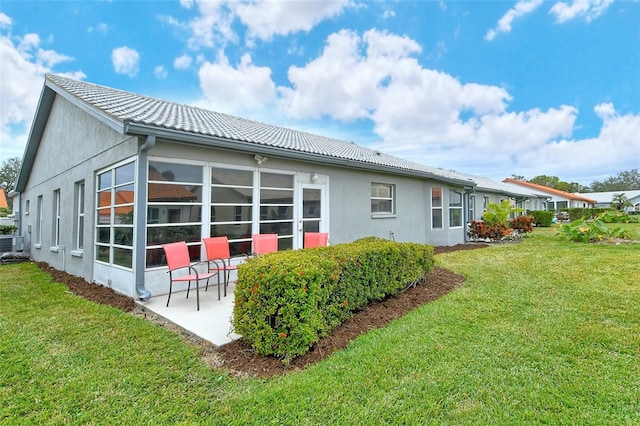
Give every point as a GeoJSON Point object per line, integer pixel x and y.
{"type": "Point", "coordinates": [212, 322]}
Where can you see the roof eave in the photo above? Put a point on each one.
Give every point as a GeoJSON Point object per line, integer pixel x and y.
{"type": "Point", "coordinates": [35, 135]}
{"type": "Point", "coordinates": [49, 92]}
{"type": "Point", "coordinates": [139, 129]}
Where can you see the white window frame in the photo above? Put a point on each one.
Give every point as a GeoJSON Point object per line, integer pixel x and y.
{"type": "Point", "coordinates": [453, 208]}
{"type": "Point", "coordinates": [39, 221]}
{"type": "Point", "coordinates": [284, 240]}
{"type": "Point", "coordinates": [56, 218]}
{"type": "Point", "coordinates": [156, 210]}
{"type": "Point", "coordinates": [112, 207]}
{"type": "Point", "coordinates": [439, 208]}
{"type": "Point", "coordinates": [80, 216]}
{"type": "Point", "coordinates": [377, 197]}
{"type": "Point", "coordinates": [472, 208]}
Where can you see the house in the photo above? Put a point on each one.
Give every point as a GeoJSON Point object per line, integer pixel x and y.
{"type": "Point", "coordinates": [490, 191]}
{"type": "Point", "coordinates": [604, 199]}
{"type": "Point", "coordinates": [558, 200]}
{"type": "Point", "coordinates": [108, 176]}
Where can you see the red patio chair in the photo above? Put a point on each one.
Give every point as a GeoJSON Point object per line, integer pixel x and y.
{"type": "Point", "coordinates": [265, 243]}
{"type": "Point", "coordinates": [218, 258]}
{"type": "Point", "coordinates": [315, 239]}
{"type": "Point", "coordinates": [177, 255]}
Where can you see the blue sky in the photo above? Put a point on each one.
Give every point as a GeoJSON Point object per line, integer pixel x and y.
{"type": "Point", "coordinates": [488, 88]}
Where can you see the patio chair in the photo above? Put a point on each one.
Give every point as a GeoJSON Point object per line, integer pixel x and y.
{"type": "Point", "coordinates": [218, 258]}
{"type": "Point", "coordinates": [265, 243]}
{"type": "Point", "coordinates": [315, 239]}
{"type": "Point", "coordinates": [177, 255]}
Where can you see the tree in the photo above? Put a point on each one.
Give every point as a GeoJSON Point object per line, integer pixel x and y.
{"type": "Point", "coordinates": [620, 202]}
{"type": "Point", "coordinates": [555, 183]}
{"type": "Point", "coordinates": [9, 176]}
{"type": "Point", "coordinates": [625, 181]}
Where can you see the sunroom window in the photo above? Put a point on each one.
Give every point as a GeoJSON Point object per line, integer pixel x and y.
{"type": "Point", "coordinates": [174, 208]}
{"type": "Point", "coordinates": [114, 215]}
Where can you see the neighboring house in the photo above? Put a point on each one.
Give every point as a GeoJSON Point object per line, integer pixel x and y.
{"type": "Point", "coordinates": [557, 199]}
{"type": "Point", "coordinates": [604, 199]}
{"type": "Point", "coordinates": [108, 176]}
{"type": "Point", "coordinates": [490, 191]}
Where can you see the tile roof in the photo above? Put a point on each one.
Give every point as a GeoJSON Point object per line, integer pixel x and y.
{"type": "Point", "coordinates": [549, 190]}
{"type": "Point", "coordinates": [606, 197]}
{"type": "Point", "coordinates": [125, 108]}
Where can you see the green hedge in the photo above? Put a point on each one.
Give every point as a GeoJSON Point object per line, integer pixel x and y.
{"type": "Point", "coordinates": [584, 213]}
{"type": "Point", "coordinates": [286, 301]}
{"type": "Point", "coordinates": [542, 217]}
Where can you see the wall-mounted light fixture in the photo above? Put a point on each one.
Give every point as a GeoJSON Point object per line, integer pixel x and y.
{"type": "Point", "coordinates": [314, 177]}
{"type": "Point", "coordinates": [260, 159]}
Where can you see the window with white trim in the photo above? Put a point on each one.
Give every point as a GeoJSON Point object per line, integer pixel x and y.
{"type": "Point", "coordinates": [472, 207]}
{"type": "Point", "coordinates": [79, 222]}
{"type": "Point", "coordinates": [56, 218]}
{"type": "Point", "coordinates": [382, 199]}
{"type": "Point", "coordinates": [174, 209]}
{"type": "Point", "coordinates": [115, 196]}
{"type": "Point", "coordinates": [39, 220]}
{"type": "Point", "coordinates": [455, 209]}
{"type": "Point", "coordinates": [276, 207]}
{"type": "Point", "coordinates": [436, 208]}
{"type": "Point", "coordinates": [232, 207]}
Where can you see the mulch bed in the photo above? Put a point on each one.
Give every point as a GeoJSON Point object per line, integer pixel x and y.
{"type": "Point", "coordinates": [239, 357]}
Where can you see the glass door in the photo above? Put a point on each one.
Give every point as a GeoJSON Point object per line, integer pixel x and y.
{"type": "Point", "coordinates": [311, 214]}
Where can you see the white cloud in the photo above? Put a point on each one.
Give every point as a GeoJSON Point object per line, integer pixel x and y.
{"type": "Point", "coordinates": [50, 58]}
{"type": "Point", "coordinates": [431, 117]}
{"type": "Point", "coordinates": [616, 148]}
{"type": "Point", "coordinates": [265, 19]}
{"type": "Point", "coordinates": [211, 27]}
{"type": "Point", "coordinates": [101, 28]}
{"type": "Point", "coordinates": [182, 62]}
{"type": "Point", "coordinates": [375, 77]}
{"type": "Point", "coordinates": [587, 9]}
{"type": "Point", "coordinates": [24, 64]}
{"type": "Point", "coordinates": [232, 89]}
{"type": "Point", "coordinates": [346, 80]}
{"type": "Point", "coordinates": [522, 8]}
{"type": "Point", "coordinates": [125, 61]}
{"type": "Point", "coordinates": [5, 21]}
{"type": "Point", "coordinates": [160, 72]}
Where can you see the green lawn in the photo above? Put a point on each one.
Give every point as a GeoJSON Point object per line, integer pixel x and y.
{"type": "Point", "coordinates": [544, 331]}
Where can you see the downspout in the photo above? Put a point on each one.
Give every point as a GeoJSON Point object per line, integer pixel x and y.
{"type": "Point", "coordinates": [465, 211]}
{"type": "Point", "coordinates": [140, 216]}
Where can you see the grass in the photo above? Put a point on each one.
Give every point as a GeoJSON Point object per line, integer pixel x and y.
{"type": "Point", "coordinates": [544, 331]}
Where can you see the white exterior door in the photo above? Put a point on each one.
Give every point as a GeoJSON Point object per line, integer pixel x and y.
{"type": "Point", "coordinates": [312, 210]}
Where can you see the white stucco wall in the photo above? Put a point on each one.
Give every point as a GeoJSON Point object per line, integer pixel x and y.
{"type": "Point", "coordinates": [72, 148]}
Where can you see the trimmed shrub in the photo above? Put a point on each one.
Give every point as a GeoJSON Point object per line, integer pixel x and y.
{"type": "Point", "coordinates": [542, 217]}
{"type": "Point", "coordinates": [479, 229]}
{"type": "Point", "coordinates": [286, 301]}
{"type": "Point", "coordinates": [522, 224]}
